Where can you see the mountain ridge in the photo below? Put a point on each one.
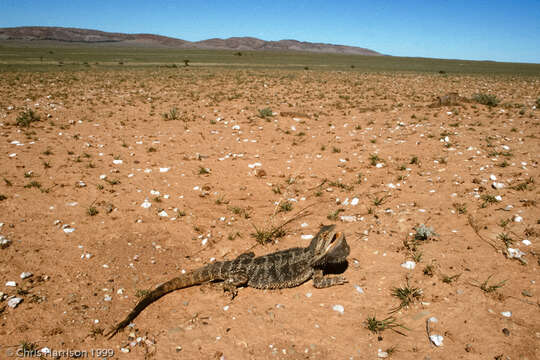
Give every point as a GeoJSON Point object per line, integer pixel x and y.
{"type": "Point", "coordinates": [246, 43]}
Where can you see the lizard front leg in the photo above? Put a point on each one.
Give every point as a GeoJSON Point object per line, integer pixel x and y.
{"type": "Point", "coordinates": [320, 281]}
{"type": "Point", "coordinates": [233, 282]}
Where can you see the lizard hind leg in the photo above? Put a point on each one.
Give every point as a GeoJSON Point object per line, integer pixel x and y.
{"type": "Point", "coordinates": [233, 282]}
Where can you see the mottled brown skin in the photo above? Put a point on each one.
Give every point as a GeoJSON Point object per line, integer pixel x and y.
{"type": "Point", "coordinates": [281, 269]}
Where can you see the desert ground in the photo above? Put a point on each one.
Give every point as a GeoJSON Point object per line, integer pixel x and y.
{"type": "Point", "coordinates": [119, 180]}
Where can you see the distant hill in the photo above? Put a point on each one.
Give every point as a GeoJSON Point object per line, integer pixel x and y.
{"type": "Point", "coordinates": [74, 35]}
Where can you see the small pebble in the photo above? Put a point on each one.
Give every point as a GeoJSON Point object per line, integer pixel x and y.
{"type": "Point", "coordinates": [14, 302]}
{"type": "Point", "coordinates": [506, 314]}
{"type": "Point", "coordinates": [25, 275]}
{"type": "Point", "coordinates": [11, 283]}
{"type": "Point", "coordinates": [409, 265]}
{"type": "Point", "coordinates": [339, 308]}
{"type": "Point", "coordinates": [4, 243]}
{"type": "Point", "coordinates": [437, 340]}
{"type": "Point", "coordinates": [506, 332]}
{"type": "Point", "coordinates": [348, 218]}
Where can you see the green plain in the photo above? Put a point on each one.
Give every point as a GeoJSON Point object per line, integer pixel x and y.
{"type": "Point", "coordinates": [28, 56]}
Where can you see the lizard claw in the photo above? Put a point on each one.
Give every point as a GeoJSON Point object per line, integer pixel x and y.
{"type": "Point", "coordinates": [230, 288]}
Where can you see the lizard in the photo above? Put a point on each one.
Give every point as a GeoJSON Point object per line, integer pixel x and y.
{"type": "Point", "coordinates": [282, 269]}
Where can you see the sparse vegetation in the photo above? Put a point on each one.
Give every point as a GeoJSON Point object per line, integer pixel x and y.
{"type": "Point", "coordinates": [266, 112]}
{"type": "Point", "coordinates": [486, 99]}
{"type": "Point", "coordinates": [424, 233]}
{"type": "Point", "coordinates": [172, 114]}
{"type": "Point", "coordinates": [27, 117]}
{"type": "Point", "coordinates": [407, 295]}
{"type": "Point", "coordinates": [378, 326]}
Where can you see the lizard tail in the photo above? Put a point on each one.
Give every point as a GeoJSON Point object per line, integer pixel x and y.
{"type": "Point", "coordinates": [163, 289]}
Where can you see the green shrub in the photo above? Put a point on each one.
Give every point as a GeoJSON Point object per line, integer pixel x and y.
{"type": "Point", "coordinates": [27, 117]}
{"type": "Point", "coordinates": [265, 112]}
{"type": "Point", "coordinates": [486, 99]}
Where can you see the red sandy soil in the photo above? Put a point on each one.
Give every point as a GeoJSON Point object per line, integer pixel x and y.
{"type": "Point", "coordinates": [318, 151]}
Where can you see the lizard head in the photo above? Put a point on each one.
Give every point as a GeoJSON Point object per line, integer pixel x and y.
{"type": "Point", "coordinates": [329, 246]}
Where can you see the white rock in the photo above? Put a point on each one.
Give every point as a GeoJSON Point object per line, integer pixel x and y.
{"type": "Point", "coordinates": [25, 275]}
{"type": "Point", "coordinates": [154, 192]}
{"type": "Point", "coordinates": [497, 185]}
{"type": "Point", "coordinates": [339, 308]}
{"type": "Point", "coordinates": [379, 165]}
{"type": "Point", "coordinates": [498, 197]}
{"type": "Point", "coordinates": [409, 265]}
{"type": "Point", "coordinates": [251, 166]}
{"type": "Point", "coordinates": [382, 354]}
{"type": "Point", "coordinates": [14, 302]}
{"type": "Point", "coordinates": [526, 242]}
{"type": "Point", "coordinates": [164, 170]}
{"type": "Point", "coordinates": [437, 340]}
{"type": "Point", "coordinates": [348, 218]}
{"type": "Point", "coordinates": [11, 283]}
{"type": "Point", "coordinates": [107, 298]}
{"type": "Point", "coordinates": [492, 177]}
{"type": "Point", "coordinates": [306, 237]}
{"type": "Point", "coordinates": [354, 201]}
{"type": "Point", "coordinates": [68, 230]}
{"type": "Point", "coordinates": [4, 243]}
{"type": "Point", "coordinates": [506, 314]}
{"type": "Point", "coordinates": [515, 253]}
{"type": "Point", "coordinates": [117, 162]}
{"type": "Point", "coordinates": [359, 289]}
{"type": "Point", "coordinates": [518, 218]}
{"type": "Point", "coordinates": [146, 204]}
{"type": "Point", "coordinates": [163, 213]}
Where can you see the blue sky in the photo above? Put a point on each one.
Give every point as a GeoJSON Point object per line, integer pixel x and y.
{"type": "Point", "coordinates": [477, 30]}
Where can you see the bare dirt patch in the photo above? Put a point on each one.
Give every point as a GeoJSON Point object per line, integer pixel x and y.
{"type": "Point", "coordinates": [104, 196]}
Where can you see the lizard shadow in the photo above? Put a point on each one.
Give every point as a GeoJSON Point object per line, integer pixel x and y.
{"type": "Point", "coordinates": [336, 268]}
